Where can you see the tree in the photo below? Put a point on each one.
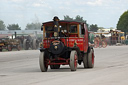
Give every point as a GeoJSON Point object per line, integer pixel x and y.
{"type": "Point", "coordinates": [13, 27]}
{"type": "Point", "coordinates": [93, 28]}
{"type": "Point", "coordinates": [123, 22]}
{"type": "Point", "coordinates": [67, 18]}
{"type": "Point", "coordinates": [2, 25]}
{"type": "Point", "coordinates": [33, 26]}
{"type": "Point", "coordinates": [80, 19]}
{"type": "Point", "coordinates": [77, 18]}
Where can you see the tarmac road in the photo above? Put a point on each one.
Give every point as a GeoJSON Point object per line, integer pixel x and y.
{"type": "Point", "coordinates": [22, 68]}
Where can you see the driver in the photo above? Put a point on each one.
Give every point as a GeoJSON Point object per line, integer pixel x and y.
{"type": "Point", "coordinates": [61, 32]}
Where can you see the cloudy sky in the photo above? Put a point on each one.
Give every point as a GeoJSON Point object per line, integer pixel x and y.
{"type": "Point", "coordinates": [104, 13]}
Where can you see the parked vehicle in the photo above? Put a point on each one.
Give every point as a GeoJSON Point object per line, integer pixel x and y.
{"type": "Point", "coordinates": [30, 42]}
{"type": "Point", "coordinates": [65, 43]}
{"type": "Point", "coordinates": [9, 44]}
{"type": "Point", "coordinates": [117, 37]}
{"type": "Point", "coordinates": [101, 39]}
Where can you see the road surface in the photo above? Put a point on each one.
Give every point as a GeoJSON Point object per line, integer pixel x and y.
{"type": "Point", "coordinates": [22, 68]}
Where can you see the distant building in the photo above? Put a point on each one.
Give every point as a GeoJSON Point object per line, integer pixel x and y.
{"type": "Point", "coordinates": [21, 31]}
{"type": "Point", "coordinates": [105, 30]}
{"type": "Point", "coordinates": [8, 33]}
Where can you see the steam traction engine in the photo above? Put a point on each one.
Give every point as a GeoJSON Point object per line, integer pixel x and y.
{"type": "Point", "coordinates": [65, 43]}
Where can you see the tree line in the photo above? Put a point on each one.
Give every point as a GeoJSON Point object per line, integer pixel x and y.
{"type": "Point", "coordinates": [36, 26]}
{"type": "Point", "coordinates": [31, 26]}
{"type": "Point", "coordinates": [122, 24]}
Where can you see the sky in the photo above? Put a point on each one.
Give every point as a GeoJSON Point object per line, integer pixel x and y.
{"type": "Point", "coordinates": [104, 13]}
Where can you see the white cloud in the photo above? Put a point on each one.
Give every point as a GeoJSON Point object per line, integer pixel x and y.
{"type": "Point", "coordinates": [17, 0]}
{"type": "Point", "coordinates": [94, 3]}
{"type": "Point", "coordinates": [78, 10]}
{"type": "Point", "coordinates": [64, 8]}
{"type": "Point", "coordinates": [36, 4]}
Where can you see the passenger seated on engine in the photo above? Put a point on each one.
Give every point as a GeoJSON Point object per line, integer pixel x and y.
{"type": "Point", "coordinates": [62, 33]}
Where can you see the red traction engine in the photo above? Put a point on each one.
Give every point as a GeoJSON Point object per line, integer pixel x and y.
{"type": "Point", "coordinates": [65, 43]}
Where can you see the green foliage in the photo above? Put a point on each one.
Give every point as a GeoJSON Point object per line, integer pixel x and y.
{"type": "Point", "coordinates": [2, 25]}
{"type": "Point", "coordinates": [13, 27]}
{"type": "Point", "coordinates": [77, 18]}
{"type": "Point", "coordinates": [93, 28]}
{"type": "Point", "coordinates": [67, 18]}
{"type": "Point", "coordinates": [33, 26]}
{"type": "Point", "coordinates": [123, 22]}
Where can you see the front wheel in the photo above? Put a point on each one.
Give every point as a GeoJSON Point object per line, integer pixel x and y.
{"type": "Point", "coordinates": [73, 60]}
{"type": "Point", "coordinates": [25, 44]}
{"type": "Point", "coordinates": [43, 62]}
{"type": "Point", "coordinates": [35, 44]}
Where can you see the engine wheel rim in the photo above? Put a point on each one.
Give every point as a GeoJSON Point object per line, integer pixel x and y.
{"type": "Point", "coordinates": [104, 44]}
{"type": "Point", "coordinates": [96, 44]}
{"type": "Point", "coordinates": [75, 60]}
{"type": "Point", "coordinates": [92, 58]}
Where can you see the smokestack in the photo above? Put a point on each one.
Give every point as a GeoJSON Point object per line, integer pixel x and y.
{"type": "Point", "coordinates": [56, 26]}
{"type": "Point", "coordinates": [15, 34]}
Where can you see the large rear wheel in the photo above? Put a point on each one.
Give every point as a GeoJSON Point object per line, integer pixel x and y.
{"type": "Point", "coordinates": [73, 60]}
{"type": "Point", "coordinates": [85, 59]}
{"type": "Point", "coordinates": [25, 44]}
{"type": "Point", "coordinates": [43, 62]}
{"type": "Point", "coordinates": [90, 60]}
{"type": "Point", "coordinates": [35, 44]}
